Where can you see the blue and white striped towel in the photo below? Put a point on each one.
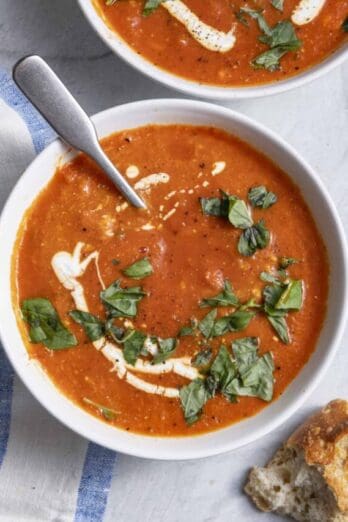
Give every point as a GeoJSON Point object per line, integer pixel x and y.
{"type": "Point", "coordinates": [47, 473]}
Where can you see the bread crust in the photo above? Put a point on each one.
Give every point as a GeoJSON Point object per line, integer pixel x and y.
{"type": "Point", "coordinates": [324, 441]}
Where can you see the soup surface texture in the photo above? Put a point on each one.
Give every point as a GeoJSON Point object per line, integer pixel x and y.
{"type": "Point", "coordinates": [241, 44]}
{"type": "Point", "coordinates": [213, 268]}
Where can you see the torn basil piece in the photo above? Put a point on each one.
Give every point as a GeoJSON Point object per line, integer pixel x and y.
{"type": "Point", "coordinates": [188, 330]}
{"type": "Point", "coordinates": [278, 4]}
{"type": "Point", "coordinates": [253, 238]}
{"type": "Point", "coordinates": [280, 326]}
{"type": "Point", "coordinates": [166, 348]}
{"type": "Point", "coordinates": [203, 358]}
{"type": "Point", "coordinates": [45, 324]}
{"type": "Point", "coordinates": [260, 197]}
{"type": "Point", "coordinates": [206, 325]}
{"type": "Point", "coordinates": [92, 325]}
{"type": "Point", "coordinates": [238, 213]}
{"type": "Point", "coordinates": [217, 207]}
{"type": "Point", "coordinates": [122, 302]}
{"type": "Point", "coordinates": [232, 323]}
{"type": "Point", "coordinates": [291, 297]}
{"type": "Point", "coordinates": [133, 344]}
{"type": "Point", "coordinates": [285, 262]}
{"type": "Point", "coordinates": [193, 397]}
{"type": "Point", "coordinates": [150, 6]}
{"type": "Point", "coordinates": [270, 59]}
{"type": "Point", "coordinates": [256, 380]}
{"type": "Point", "coordinates": [139, 269]}
{"type": "Point", "coordinates": [225, 298]}
{"type": "Point", "coordinates": [223, 371]}
{"type": "Point", "coordinates": [245, 352]}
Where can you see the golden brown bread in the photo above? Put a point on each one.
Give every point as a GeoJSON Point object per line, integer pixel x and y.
{"type": "Point", "coordinates": [324, 441]}
{"type": "Point", "coordinates": [308, 477]}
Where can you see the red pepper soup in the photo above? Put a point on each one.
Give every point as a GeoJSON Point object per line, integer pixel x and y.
{"type": "Point", "coordinates": [185, 317]}
{"type": "Point", "coordinates": [230, 43]}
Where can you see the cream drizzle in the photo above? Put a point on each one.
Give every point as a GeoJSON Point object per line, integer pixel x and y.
{"type": "Point", "coordinates": [68, 267]}
{"type": "Point", "coordinates": [204, 34]}
{"type": "Point", "coordinates": [306, 11]}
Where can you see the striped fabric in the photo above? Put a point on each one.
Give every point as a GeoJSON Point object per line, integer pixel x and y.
{"type": "Point", "coordinates": [47, 473]}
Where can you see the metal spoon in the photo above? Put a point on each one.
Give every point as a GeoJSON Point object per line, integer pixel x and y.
{"type": "Point", "coordinates": [52, 99]}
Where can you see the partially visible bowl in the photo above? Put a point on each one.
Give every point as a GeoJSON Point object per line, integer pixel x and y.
{"type": "Point", "coordinates": [324, 213]}
{"type": "Point", "coordinates": [120, 47]}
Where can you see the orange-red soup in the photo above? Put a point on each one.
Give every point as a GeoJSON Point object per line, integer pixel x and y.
{"type": "Point", "coordinates": [165, 42]}
{"type": "Point", "coordinates": [191, 254]}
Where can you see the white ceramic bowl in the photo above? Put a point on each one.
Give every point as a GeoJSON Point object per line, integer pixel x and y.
{"type": "Point", "coordinates": [120, 47]}
{"type": "Point", "coordinates": [198, 113]}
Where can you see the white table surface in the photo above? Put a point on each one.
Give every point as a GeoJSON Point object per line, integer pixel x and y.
{"type": "Point", "coordinates": [314, 119]}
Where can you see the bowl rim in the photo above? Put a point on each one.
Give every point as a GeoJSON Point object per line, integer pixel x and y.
{"type": "Point", "coordinates": [190, 87]}
{"type": "Point", "coordinates": [74, 422]}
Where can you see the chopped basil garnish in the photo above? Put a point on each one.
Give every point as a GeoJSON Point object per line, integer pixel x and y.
{"type": "Point", "coordinates": [266, 277]}
{"type": "Point", "coordinates": [92, 325]}
{"type": "Point", "coordinates": [278, 4]}
{"type": "Point", "coordinates": [193, 396]}
{"type": "Point", "coordinates": [150, 6]}
{"type": "Point", "coordinates": [225, 298]}
{"type": "Point", "coordinates": [260, 197]}
{"type": "Point", "coordinates": [246, 374]}
{"type": "Point", "coordinates": [232, 323]}
{"type": "Point", "coordinates": [166, 348]}
{"type": "Point", "coordinates": [133, 344]}
{"type": "Point", "coordinates": [206, 325]}
{"type": "Point", "coordinates": [45, 324]}
{"type": "Point", "coordinates": [107, 413]}
{"type": "Point", "coordinates": [188, 330]}
{"type": "Point", "coordinates": [223, 371]}
{"type": "Point", "coordinates": [279, 299]}
{"type": "Point", "coordinates": [285, 262]}
{"type": "Point", "coordinates": [139, 269]}
{"type": "Point", "coordinates": [238, 213]}
{"type": "Point", "coordinates": [253, 238]}
{"type": "Point", "coordinates": [202, 358]}
{"type": "Point", "coordinates": [122, 302]}
{"type": "Point", "coordinates": [241, 18]}
{"type": "Point", "coordinates": [281, 38]}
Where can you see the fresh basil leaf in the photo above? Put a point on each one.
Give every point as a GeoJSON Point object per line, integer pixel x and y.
{"type": "Point", "coordinates": [115, 332]}
{"type": "Point", "coordinates": [232, 323]}
{"type": "Point", "coordinates": [345, 25]}
{"type": "Point", "coordinates": [166, 348]}
{"type": "Point", "coordinates": [188, 330]}
{"type": "Point", "coordinates": [270, 59]}
{"type": "Point", "coordinates": [122, 302]}
{"type": "Point", "coordinates": [278, 4]}
{"type": "Point", "coordinates": [238, 213]}
{"type": "Point", "coordinates": [139, 269]}
{"type": "Point", "coordinates": [92, 325]}
{"type": "Point", "coordinates": [133, 345]}
{"type": "Point", "coordinates": [225, 298]}
{"type": "Point", "coordinates": [253, 238]}
{"type": "Point", "coordinates": [206, 325]}
{"type": "Point", "coordinates": [260, 197]}
{"type": "Point", "coordinates": [245, 352]}
{"type": "Point", "coordinates": [291, 297]}
{"type": "Point", "coordinates": [107, 413]}
{"type": "Point", "coordinates": [258, 16]}
{"type": "Point", "coordinates": [202, 359]}
{"type": "Point", "coordinates": [217, 207]}
{"type": "Point", "coordinates": [285, 262]}
{"type": "Point", "coordinates": [193, 397]}
{"type": "Point", "coordinates": [280, 326]}
{"type": "Point", "coordinates": [282, 35]}
{"type": "Point", "coordinates": [45, 324]}
{"type": "Point", "coordinates": [271, 295]}
{"type": "Point", "coordinates": [150, 6]}
{"type": "Point", "coordinates": [257, 380]}
{"type": "Point", "coordinates": [223, 371]}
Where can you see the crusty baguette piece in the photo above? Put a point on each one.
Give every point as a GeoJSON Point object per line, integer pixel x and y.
{"type": "Point", "coordinates": [307, 478]}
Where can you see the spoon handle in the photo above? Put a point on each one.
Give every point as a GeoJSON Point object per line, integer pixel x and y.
{"type": "Point", "coordinates": [52, 99]}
